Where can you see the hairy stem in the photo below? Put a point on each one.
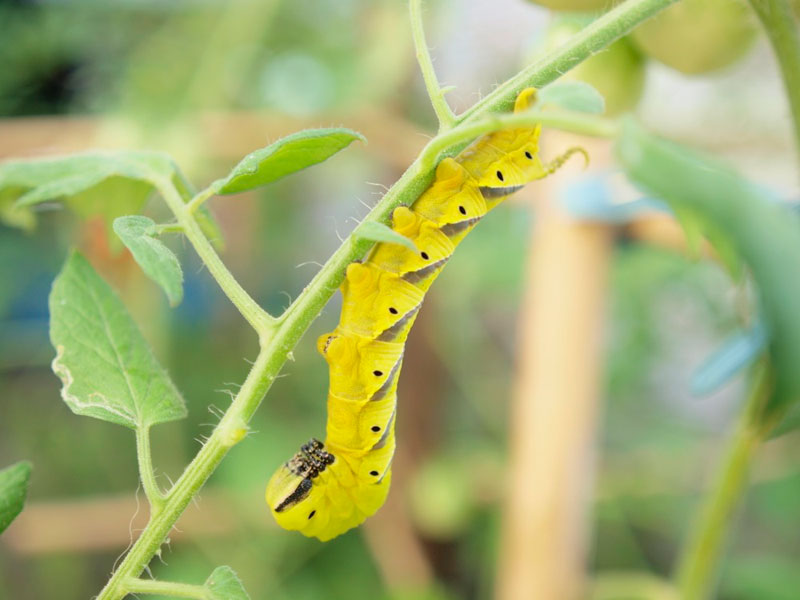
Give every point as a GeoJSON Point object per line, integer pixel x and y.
{"type": "Point", "coordinates": [446, 117]}
{"type": "Point", "coordinates": [279, 336]}
{"type": "Point", "coordinates": [258, 318]}
{"type": "Point", "coordinates": [165, 588]}
{"type": "Point", "coordinates": [552, 65]}
{"type": "Point", "coordinates": [778, 21]}
{"type": "Point", "coordinates": [146, 473]}
{"type": "Point", "coordinates": [200, 197]}
{"type": "Point", "coordinates": [698, 564]}
{"type": "Point", "coordinates": [258, 381]}
{"type": "Point", "coordinates": [168, 228]}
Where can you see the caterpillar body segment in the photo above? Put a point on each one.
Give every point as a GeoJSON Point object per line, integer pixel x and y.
{"type": "Point", "coordinates": [376, 300]}
{"type": "Point", "coordinates": [363, 425]}
{"type": "Point", "coordinates": [464, 205]}
{"type": "Point", "coordinates": [326, 489]}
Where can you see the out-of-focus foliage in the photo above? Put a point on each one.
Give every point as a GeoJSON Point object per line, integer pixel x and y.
{"type": "Point", "coordinates": [139, 234]}
{"type": "Point", "coordinates": [583, 6]}
{"type": "Point", "coordinates": [572, 95]}
{"type": "Point", "coordinates": [13, 489]}
{"type": "Point", "coordinates": [105, 184]}
{"type": "Point", "coordinates": [697, 36]}
{"type": "Point", "coordinates": [744, 224]}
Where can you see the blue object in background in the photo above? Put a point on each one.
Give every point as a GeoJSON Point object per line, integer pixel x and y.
{"type": "Point", "coordinates": [597, 197]}
{"type": "Point", "coordinates": [736, 353]}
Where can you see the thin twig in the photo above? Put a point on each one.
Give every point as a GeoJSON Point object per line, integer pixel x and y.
{"type": "Point", "coordinates": [258, 318]}
{"type": "Point", "coordinates": [446, 117]}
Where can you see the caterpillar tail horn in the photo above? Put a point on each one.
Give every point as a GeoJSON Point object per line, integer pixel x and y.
{"type": "Point", "coordinates": [559, 161]}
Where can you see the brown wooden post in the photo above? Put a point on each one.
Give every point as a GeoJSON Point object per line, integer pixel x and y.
{"type": "Point", "coordinates": [555, 403]}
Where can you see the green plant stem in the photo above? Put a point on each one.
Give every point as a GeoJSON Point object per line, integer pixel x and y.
{"type": "Point", "coordinates": [261, 376]}
{"type": "Point", "coordinates": [697, 567]}
{"type": "Point", "coordinates": [782, 30]}
{"type": "Point", "coordinates": [574, 122]}
{"type": "Point", "coordinates": [286, 331]}
{"type": "Point", "coordinates": [200, 197]}
{"type": "Point", "coordinates": [553, 64]}
{"type": "Point", "coordinates": [446, 117]}
{"type": "Point", "coordinates": [146, 473]}
{"type": "Point", "coordinates": [168, 228]}
{"type": "Point", "coordinates": [165, 588]}
{"type": "Point", "coordinates": [258, 318]}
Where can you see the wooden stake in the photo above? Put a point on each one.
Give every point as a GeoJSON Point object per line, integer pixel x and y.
{"type": "Point", "coordinates": [554, 408]}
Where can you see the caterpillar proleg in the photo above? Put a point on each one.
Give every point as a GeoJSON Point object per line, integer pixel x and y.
{"type": "Point", "coordinates": [327, 488]}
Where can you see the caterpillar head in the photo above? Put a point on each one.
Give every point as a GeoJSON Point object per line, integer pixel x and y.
{"type": "Point", "coordinates": [293, 493]}
{"type": "Point", "coordinates": [519, 164]}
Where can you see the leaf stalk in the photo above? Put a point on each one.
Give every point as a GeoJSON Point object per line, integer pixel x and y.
{"type": "Point", "coordinates": [436, 93]}
{"type": "Point", "coordinates": [165, 588]}
{"type": "Point", "coordinates": [258, 318]}
{"type": "Point", "coordinates": [146, 472]}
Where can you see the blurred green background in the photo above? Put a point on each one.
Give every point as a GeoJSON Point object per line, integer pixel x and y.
{"type": "Point", "coordinates": [208, 81]}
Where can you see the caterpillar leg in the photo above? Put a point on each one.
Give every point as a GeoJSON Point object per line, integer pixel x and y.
{"type": "Point", "coordinates": [559, 161]}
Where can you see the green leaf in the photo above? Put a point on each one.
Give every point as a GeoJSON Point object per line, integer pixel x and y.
{"type": "Point", "coordinates": [763, 576]}
{"type": "Point", "coordinates": [572, 95]}
{"type": "Point", "coordinates": [224, 584]}
{"type": "Point", "coordinates": [21, 217]}
{"type": "Point", "coordinates": [378, 232]}
{"type": "Point", "coordinates": [748, 223]}
{"type": "Point", "coordinates": [693, 228]}
{"type": "Point", "coordinates": [67, 176]}
{"type": "Point", "coordinates": [157, 261]}
{"type": "Point", "coordinates": [106, 368]}
{"type": "Point", "coordinates": [13, 490]}
{"type": "Point", "coordinates": [108, 184]}
{"type": "Point", "coordinates": [286, 156]}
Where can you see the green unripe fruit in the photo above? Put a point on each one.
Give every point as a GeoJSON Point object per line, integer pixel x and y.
{"type": "Point", "coordinates": [697, 36]}
{"type": "Point", "coordinates": [576, 5]}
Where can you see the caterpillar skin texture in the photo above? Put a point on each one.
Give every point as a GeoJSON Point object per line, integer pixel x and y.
{"type": "Point", "coordinates": [326, 489]}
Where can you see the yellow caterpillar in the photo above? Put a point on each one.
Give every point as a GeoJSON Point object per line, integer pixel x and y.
{"type": "Point", "coordinates": [326, 489]}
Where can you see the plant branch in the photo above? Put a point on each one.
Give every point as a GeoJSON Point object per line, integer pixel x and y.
{"type": "Point", "coordinates": [778, 20]}
{"type": "Point", "coordinates": [566, 121]}
{"type": "Point", "coordinates": [697, 567]}
{"type": "Point", "coordinates": [222, 439]}
{"type": "Point", "coordinates": [200, 197]}
{"type": "Point", "coordinates": [287, 330]}
{"type": "Point", "coordinates": [165, 588]}
{"type": "Point", "coordinates": [258, 318]}
{"type": "Point", "coordinates": [146, 473]}
{"type": "Point", "coordinates": [553, 64]}
{"type": "Point", "coordinates": [446, 117]}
